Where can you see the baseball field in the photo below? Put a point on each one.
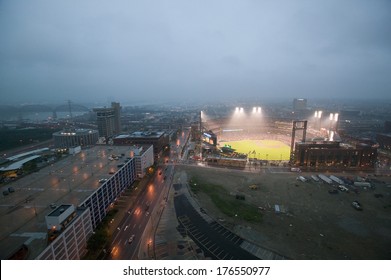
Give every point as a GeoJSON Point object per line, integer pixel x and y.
{"type": "Point", "coordinates": [261, 149]}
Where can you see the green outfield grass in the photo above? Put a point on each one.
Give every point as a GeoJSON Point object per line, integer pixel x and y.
{"type": "Point", "coordinates": [261, 149]}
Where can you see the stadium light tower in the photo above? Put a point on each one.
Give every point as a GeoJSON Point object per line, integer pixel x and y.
{"type": "Point", "coordinates": [257, 110]}
{"type": "Point", "coordinates": [336, 115]}
{"type": "Point", "coordinates": [297, 126]}
{"type": "Point", "coordinates": [201, 132]}
{"type": "Point", "coordinates": [331, 118]}
{"type": "Point", "coordinates": [201, 122]}
{"type": "Point", "coordinates": [333, 122]}
{"type": "Point", "coordinates": [318, 115]}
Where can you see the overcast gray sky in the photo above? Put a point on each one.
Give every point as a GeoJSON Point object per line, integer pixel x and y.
{"type": "Point", "coordinates": [150, 51]}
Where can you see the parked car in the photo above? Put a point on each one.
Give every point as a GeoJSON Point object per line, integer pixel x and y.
{"type": "Point", "coordinates": [342, 188]}
{"type": "Point", "coordinates": [357, 205]}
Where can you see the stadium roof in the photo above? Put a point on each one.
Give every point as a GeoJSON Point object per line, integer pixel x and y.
{"type": "Point", "coordinates": [28, 153]}
{"type": "Point", "coordinates": [18, 164]}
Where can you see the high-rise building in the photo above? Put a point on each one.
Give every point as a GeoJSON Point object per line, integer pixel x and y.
{"type": "Point", "coordinates": [117, 117]}
{"type": "Point", "coordinates": [108, 120]}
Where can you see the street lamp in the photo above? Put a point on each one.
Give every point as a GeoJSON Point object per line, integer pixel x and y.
{"type": "Point", "coordinates": [149, 244]}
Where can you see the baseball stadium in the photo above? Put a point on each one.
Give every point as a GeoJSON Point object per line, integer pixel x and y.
{"type": "Point", "coordinates": [246, 134]}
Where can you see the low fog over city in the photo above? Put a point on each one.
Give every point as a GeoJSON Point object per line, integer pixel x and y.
{"type": "Point", "coordinates": [169, 51]}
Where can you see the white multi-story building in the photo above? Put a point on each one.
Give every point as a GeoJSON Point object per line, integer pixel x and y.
{"type": "Point", "coordinates": [144, 158]}
{"type": "Point", "coordinates": [75, 228]}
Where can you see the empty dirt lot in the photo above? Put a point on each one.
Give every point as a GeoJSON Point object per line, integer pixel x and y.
{"type": "Point", "coordinates": [312, 223]}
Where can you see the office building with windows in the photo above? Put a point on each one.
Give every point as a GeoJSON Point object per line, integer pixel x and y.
{"type": "Point", "coordinates": [109, 120]}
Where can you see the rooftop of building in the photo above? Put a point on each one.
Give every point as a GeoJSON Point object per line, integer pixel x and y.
{"type": "Point", "coordinates": [142, 134]}
{"type": "Point", "coordinates": [68, 181]}
{"type": "Point", "coordinates": [107, 109]}
{"type": "Point", "coordinates": [33, 152]}
{"type": "Point", "coordinates": [75, 131]}
{"type": "Point", "coordinates": [385, 134]}
{"type": "Point", "coordinates": [332, 145]}
{"type": "Point", "coordinates": [18, 164]}
{"type": "Point", "coordinates": [59, 210]}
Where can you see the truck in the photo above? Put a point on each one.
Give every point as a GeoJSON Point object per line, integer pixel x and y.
{"type": "Point", "coordinates": [342, 188]}
{"type": "Point", "coordinates": [295, 169]}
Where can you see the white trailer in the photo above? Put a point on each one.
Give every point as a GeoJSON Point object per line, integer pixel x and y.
{"type": "Point", "coordinates": [325, 179]}
{"type": "Point", "coordinates": [336, 179]}
{"type": "Point", "coordinates": [315, 178]}
{"type": "Point", "coordinates": [301, 178]}
{"type": "Point", "coordinates": [362, 184]}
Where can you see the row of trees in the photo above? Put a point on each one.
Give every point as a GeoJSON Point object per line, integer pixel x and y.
{"type": "Point", "coordinates": [14, 138]}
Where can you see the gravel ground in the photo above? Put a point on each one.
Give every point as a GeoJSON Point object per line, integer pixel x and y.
{"type": "Point", "coordinates": [312, 223]}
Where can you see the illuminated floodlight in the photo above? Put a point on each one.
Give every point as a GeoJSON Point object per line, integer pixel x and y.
{"type": "Point", "coordinates": [237, 110]}
{"type": "Point", "coordinates": [318, 114]}
{"type": "Point", "coordinates": [241, 110]}
{"type": "Point", "coordinates": [331, 116]}
{"type": "Point", "coordinates": [257, 110]}
{"type": "Point", "coordinates": [336, 117]}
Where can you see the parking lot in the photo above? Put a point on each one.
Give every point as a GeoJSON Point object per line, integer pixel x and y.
{"type": "Point", "coordinates": [303, 220]}
{"type": "Point", "coordinates": [69, 180]}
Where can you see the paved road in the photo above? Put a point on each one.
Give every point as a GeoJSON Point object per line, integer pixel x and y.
{"type": "Point", "coordinates": [137, 217]}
